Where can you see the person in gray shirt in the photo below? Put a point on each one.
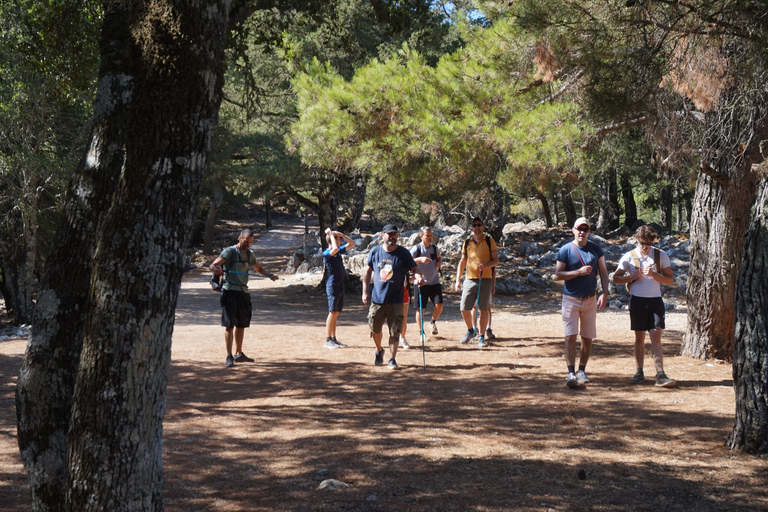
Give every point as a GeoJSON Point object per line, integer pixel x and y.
{"type": "Point", "coordinates": [427, 257]}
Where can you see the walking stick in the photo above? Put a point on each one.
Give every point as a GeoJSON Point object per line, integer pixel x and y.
{"type": "Point", "coordinates": [475, 330]}
{"type": "Point", "coordinates": [421, 317]}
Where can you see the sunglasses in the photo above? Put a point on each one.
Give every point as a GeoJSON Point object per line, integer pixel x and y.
{"type": "Point", "coordinates": [477, 225]}
{"type": "Point", "coordinates": [583, 230]}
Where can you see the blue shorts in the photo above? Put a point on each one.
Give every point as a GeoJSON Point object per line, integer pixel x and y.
{"type": "Point", "coordinates": [336, 302]}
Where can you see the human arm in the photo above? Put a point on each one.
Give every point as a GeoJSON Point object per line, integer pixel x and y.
{"type": "Point", "coordinates": [366, 285]}
{"type": "Point", "coordinates": [622, 277]}
{"type": "Point", "coordinates": [460, 271]}
{"type": "Point", "coordinates": [602, 301]}
{"type": "Point", "coordinates": [566, 275]}
{"type": "Point", "coordinates": [664, 277]}
{"type": "Point", "coordinates": [261, 270]}
{"type": "Point", "coordinates": [215, 267]}
{"type": "Point", "coordinates": [494, 261]}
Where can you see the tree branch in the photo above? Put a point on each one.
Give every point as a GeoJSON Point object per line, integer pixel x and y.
{"type": "Point", "coordinates": [614, 127]}
{"type": "Point", "coordinates": [719, 177]}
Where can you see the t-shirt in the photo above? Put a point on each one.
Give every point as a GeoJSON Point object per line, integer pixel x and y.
{"type": "Point", "coordinates": [573, 255]}
{"type": "Point", "coordinates": [390, 270]}
{"type": "Point", "coordinates": [477, 253]}
{"type": "Point", "coordinates": [646, 286]}
{"type": "Point", "coordinates": [242, 261]}
{"type": "Point", "coordinates": [336, 272]}
{"type": "Point", "coordinates": [428, 270]}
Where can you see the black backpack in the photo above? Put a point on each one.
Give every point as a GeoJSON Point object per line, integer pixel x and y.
{"type": "Point", "coordinates": [217, 281]}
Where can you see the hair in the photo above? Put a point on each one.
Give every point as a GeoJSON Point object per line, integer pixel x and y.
{"type": "Point", "coordinates": [247, 233]}
{"type": "Point", "coordinates": [328, 237]}
{"type": "Point", "coordinates": [424, 229]}
{"type": "Point", "coordinates": [478, 219]}
{"type": "Point", "coordinates": [646, 232]}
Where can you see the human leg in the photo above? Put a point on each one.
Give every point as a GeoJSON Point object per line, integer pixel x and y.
{"type": "Point", "coordinates": [330, 324]}
{"type": "Point", "coordinates": [404, 326]}
{"type": "Point", "coordinates": [640, 349]}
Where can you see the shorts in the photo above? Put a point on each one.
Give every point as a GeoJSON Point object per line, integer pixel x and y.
{"type": "Point", "coordinates": [580, 312]}
{"type": "Point", "coordinates": [469, 293]}
{"type": "Point", "coordinates": [336, 302]}
{"type": "Point", "coordinates": [236, 309]}
{"type": "Point", "coordinates": [429, 291]}
{"type": "Point", "coordinates": [393, 313]}
{"type": "Point", "coordinates": [646, 313]}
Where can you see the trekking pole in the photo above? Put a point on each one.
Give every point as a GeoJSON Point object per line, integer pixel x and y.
{"type": "Point", "coordinates": [248, 274]}
{"type": "Point", "coordinates": [475, 330]}
{"type": "Point", "coordinates": [421, 318]}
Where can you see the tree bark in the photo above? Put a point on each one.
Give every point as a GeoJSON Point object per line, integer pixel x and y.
{"type": "Point", "coordinates": [545, 208]}
{"type": "Point", "coordinates": [718, 224]}
{"type": "Point", "coordinates": [630, 207]}
{"type": "Point", "coordinates": [210, 219]}
{"type": "Point", "coordinates": [569, 208]}
{"type": "Point", "coordinates": [608, 218]}
{"type": "Point", "coordinates": [159, 92]}
{"type": "Point", "coordinates": [750, 351]}
{"type": "Point", "coordinates": [665, 206]}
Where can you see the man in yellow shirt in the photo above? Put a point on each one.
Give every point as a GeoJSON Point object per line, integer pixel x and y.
{"type": "Point", "coordinates": [478, 256]}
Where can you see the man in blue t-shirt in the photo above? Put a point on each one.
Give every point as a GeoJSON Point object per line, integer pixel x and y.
{"type": "Point", "coordinates": [389, 265]}
{"type": "Point", "coordinates": [334, 286]}
{"type": "Point", "coordinates": [578, 265]}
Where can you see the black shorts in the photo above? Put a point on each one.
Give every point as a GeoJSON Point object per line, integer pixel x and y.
{"type": "Point", "coordinates": [235, 309]}
{"type": "Point", "coordinates": [646, 314]}
{"type": "Point", "coordinates": [428, 291]}
{"type": "Point", "coordinates": [336, 302]}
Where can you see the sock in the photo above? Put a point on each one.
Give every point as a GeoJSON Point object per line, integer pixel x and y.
{"type": "Point", "coordinates": [582, 367]}
{"type": "Point", "coordinates": [328, 338]}
{"type": "Point", "coordinates": [571, 369]}
{"type": "Point", "coordinates": [640, 369]}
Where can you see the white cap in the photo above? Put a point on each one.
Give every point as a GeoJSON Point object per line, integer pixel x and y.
{"type": "Point", "coordinates": [580, 222]}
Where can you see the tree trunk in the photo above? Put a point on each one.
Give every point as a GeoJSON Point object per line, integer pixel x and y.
{"type": "Point", "coordinates": [665, 206]}
{"type": "Point", "coordinates": [608, 218]}
{"type": "Point", "coordinates": [267, 213]}
{"type": "Point", "coordinates": [210, 219]}
{"type": "Point", "coordinates": [630, 207]}
{"type": "Point", "coordinates": [158, 100]}
{"type": "Point", "coordinates": [750, 350]}
{"type": "Point", "coordinates": [720, 219]}
{"type": "Point", "coordinates": [355, 214]}
{"type": "Point", "coordinates": [545, 208]}
{"type": "Point", "coordinates": [566, 196]}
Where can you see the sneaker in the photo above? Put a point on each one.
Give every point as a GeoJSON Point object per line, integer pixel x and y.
{"type": "Point", "coordinates": [404, 344]}
{"type": "Point", "coordinates": [230, 361]}
{"type": "Point", "coordinates": [329, 343]}
{"type": "Point", "coordinates": [639, 378]}
{"type": "Point", "coordinates": [467, 337]}
{"type": "Point", "coordinates": [489, 334]}
{"type": "Point", "coordinates": [338, 343]}
{"type": "Point", "coordinates": [433, 325]}
{"type": "Point", "coordinates": [571, 381]}
{"type": "Point", "coordinates": [392, 365]}
{"type": "Point", "coordinates": [242, 358]}
{"type": "Point", "coordinates": [663, 381]}
{"type": "Point", "coordinates": [581, 377]}
{"type": "Point", "coordinates": [481, 342]}
{"type": "Point", "coordinates": [379, 358]}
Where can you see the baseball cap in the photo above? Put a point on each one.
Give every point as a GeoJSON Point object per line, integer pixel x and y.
{"type": "Point", "coordinates": [581, 221]}
{"type": "Point", "coordinates": [389, 228]}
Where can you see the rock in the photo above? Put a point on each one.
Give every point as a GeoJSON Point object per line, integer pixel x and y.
{"type": "Point", "coordinates": [331, 484]}
{"type": "Point", "coordinates": [530, 248]}
{"type": "Point", "coordinates": [303, 268]}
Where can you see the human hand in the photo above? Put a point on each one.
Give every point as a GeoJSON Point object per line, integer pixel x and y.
{"type": "Point", "coordinates": [366, 299]}
{"type": "Point", "coordinates": [585, 270]}
{"type": "Point", "coordinates": [217, 270]}
{"type": "Point", "coordinates": [457, 286]}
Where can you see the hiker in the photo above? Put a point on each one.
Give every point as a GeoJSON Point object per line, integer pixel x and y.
{"type": "Point", "coordinates": [427, 256]}
{"type": "Point", "coordinates": [235, 262]}
{"type": "Point", "coordinates": [478, 256]}
{"type": "Point", "coordinates": [389, 265]}
{"type": "Point", "coordinates": [643, 270]}
{"type": "Point", "coordinates": [334, 285]}
{"type": "Point", "coordinates": [578, 265]}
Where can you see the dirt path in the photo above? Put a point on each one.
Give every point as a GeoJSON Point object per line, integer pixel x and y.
{"type": "Point", "coordinates": [479, 430]}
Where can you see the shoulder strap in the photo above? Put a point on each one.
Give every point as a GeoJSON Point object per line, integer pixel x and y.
{"type": "Point", "coordinates": [635, 258]}
{"type": "Point", "coordinates": [464, 248]}
{"type": "Point", "coordinates": [657, 259]}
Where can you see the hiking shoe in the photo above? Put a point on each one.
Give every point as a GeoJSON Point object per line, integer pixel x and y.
{"type": "Point", "coordinates": [481, 342]}
{"type": "Point", "coordinates": [379, 358]}
{"type": "Point", "coordinates": [338, 343]}
{"type": "Point", "coordinates": [663, 381]}
{"type": "Point", "coordinates": [329, 343]}
{"type": "Point", "coordinates": [230, 361]}
{"type": "Point", "coordinates": [242, 358]}
{"type": "Point", "coordinates": [639, 378]}
{"type": "Point", "coordinates": [489, 334]}
{"type": "Point", "coordinates": [404, 344]}
{"type": "Point", "coordinates": [581, 377]}
{"type": "Point", "coordinates": [467, 337]}
{"type": "Point", "coordinates": [433, 325]}
{"type": "Point", "coordinates": [392, 365]}
{"type": "Point", "coordinates": [571, 381]}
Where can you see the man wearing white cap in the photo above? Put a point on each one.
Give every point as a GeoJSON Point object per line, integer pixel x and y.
{"type": "Point", "coordinates": [578, 264]}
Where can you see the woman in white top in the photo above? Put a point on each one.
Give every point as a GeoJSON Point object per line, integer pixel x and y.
{"type": "Point", "coordinates": [644, 270]}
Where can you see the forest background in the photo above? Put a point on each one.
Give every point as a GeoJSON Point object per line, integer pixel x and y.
{"type": "Point", "coordinates": [127, 127]}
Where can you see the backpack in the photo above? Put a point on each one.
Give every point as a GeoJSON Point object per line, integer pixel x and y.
{"type": "Point", "coordinates": [218, 281]}
{"type": "Point", "coordinates": [636, 262]}
{"type": "Point", "coordinates": [488, 241]}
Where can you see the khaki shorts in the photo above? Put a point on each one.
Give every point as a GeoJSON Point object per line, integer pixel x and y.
{"type": "Point", "coordinates": [580, 312]}
{"type": "Point", "coordinates": [392, 313]}
{"type": "Point", "coordinates": [469, 293]}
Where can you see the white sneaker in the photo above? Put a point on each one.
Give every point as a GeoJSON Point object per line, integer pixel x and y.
{"type": "Point", "coordinates": [434, 327]}
{"type": "Point", "coordinates": [404, 344]}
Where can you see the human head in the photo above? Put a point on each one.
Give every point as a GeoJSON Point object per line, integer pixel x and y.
{"type": "Point", "coordinates": [389, 234]}
{"type": "Point", "coordinates": [477, 223]}
{"type": "Point", "coordinates": [245, 239]}
{"type": "Point", "coordinates": [425, 232]}
{"type": "Point", "coordinates": [580, 230]}
{"type": "Point", "coordinates": [646, 235]}
{"type": "Point", "coordinates": [329, 236]}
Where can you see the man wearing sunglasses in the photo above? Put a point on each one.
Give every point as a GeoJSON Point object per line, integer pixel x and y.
{"type": "Point", "coordinates": [644, 270]}
{"type": "Point", "coordinates": [578, 264]}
